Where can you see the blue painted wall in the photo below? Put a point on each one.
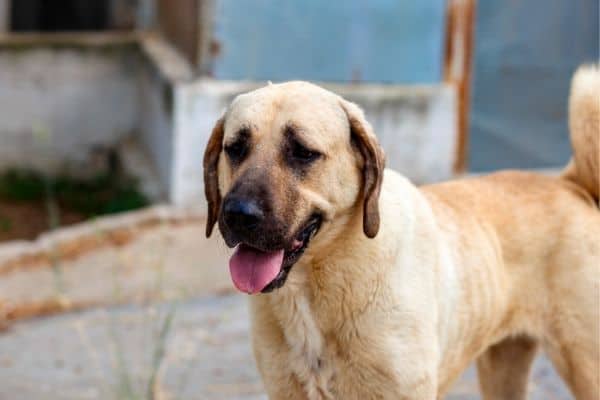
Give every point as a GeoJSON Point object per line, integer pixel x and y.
{"type": "Point", "coordinates": [525, 54]}
{"type": "Point", "coordinates": [354, 40]}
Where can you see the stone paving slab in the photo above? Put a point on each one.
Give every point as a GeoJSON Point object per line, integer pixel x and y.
{"type": "Point", "coordinates": [201, 346]}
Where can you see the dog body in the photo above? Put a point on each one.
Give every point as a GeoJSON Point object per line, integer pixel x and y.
{"type": "Point", "coordinates": [450, 274]}
{"type": "Point", "coordinates": [393, 298]}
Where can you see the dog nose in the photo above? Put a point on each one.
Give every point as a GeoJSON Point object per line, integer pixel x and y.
{"type": "Point", "coordinates": [242, 214]}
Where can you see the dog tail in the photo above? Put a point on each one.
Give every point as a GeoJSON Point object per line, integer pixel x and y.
{"type": "Point", "coordinates": [584, 125]}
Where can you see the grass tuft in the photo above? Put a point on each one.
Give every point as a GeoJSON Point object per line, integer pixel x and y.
{"type": "Point", "coordinates": [105, 193]}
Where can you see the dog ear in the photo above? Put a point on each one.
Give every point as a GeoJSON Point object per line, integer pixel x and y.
{"type": "Point", "coordinates": [211, 174]}
{"type": "Point", "coordinates": [363, 137]}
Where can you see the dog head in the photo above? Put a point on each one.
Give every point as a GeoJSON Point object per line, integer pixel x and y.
{"type": "Point", "coordinates": [285, 164]}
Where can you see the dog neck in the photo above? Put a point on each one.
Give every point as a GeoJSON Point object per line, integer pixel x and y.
{"type": "Point", "coordinates": [329, 275]}
{"type": "Point", "coordinates": [340, 280]}
{"type": "Point", "coordinates": [335, 276]}
{"type": "Point", "coordinates": [319, 287]}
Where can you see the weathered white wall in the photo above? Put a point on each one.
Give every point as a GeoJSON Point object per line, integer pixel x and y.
{"type": "Point", "coordinates": [415, 124]}
{"type": "Point", "coordinates": [155, 131]}
{"type": "Point", "coordinates": [56, 103]}
{"type": "Point", "coordinates": [163, 68]}
{"type": "Point", "coordinates": [59, 102]}
{"type": "Point", "coordinates": [198, 106]}
{"type": "Point", "coordinates": [62, 97]}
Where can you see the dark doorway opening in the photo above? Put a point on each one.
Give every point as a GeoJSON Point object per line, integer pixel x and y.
{"type": "Point", "coordinates": [59, 15]}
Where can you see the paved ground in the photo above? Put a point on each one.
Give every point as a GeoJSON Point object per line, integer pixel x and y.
{"type": "Point", "coordinates": [201, 348]}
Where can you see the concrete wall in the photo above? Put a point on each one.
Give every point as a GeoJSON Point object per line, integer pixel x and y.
{"type": "Point", "coordinates": [156, 122]}
{"type": "Point", "coordinates": [164, 68]}
{"type": "Point", "coordinates": [415, 124]}
{"type": "Point", "coordinates": [198, 106]}
{"type": "Point", "coordinates": [62, 97]}
{"type": "Point", "coordinates": [58, 102]}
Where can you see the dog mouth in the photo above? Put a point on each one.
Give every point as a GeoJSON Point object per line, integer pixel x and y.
{"type": "Point", "coordinates": [255, 270]}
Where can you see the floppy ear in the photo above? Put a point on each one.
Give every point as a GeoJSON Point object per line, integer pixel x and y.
{"type": "Point", "coordinates": [363, 137]}
{"type": "Point", "coordinates": [211, 174]}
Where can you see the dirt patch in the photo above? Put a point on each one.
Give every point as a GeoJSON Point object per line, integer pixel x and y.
{"type": "Point", "coordinates": [27, 220]}
{"type": "Point", "coordinates": [32, 202]}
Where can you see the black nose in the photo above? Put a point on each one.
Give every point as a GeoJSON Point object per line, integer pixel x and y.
{"type": "Point", "coordinates": [242, 214]}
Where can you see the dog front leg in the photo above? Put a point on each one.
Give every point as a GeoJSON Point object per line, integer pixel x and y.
{"type": "Point", "coordinates": [278, 379]}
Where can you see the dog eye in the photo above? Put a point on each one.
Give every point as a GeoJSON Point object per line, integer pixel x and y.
{"type": "Point", "coordinates": [236, 151]}
{"type": "Point", "coordinates": [302, 154]}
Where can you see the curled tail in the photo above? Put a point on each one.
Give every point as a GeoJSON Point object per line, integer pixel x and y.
{"type": "Point", "coordinates": [584, 125]}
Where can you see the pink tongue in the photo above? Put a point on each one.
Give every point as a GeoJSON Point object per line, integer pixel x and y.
{"type": "Point", "coordinates": [252, 270]}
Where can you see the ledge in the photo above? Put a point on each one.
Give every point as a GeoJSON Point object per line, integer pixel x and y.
{"type": "Point", "coordinates": [165, 58]}
{"type": "Point", "coordinates": [68, 39]}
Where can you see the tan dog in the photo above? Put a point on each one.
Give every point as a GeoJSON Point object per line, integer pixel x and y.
{"type": "Point", "coordinates": [370, 288]}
